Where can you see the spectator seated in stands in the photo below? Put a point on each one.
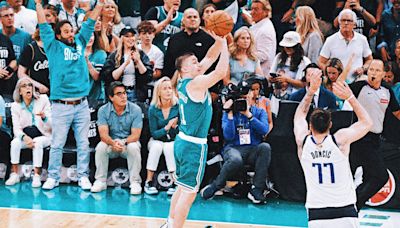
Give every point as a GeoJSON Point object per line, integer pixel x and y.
{"type": "Point", "coordinates": [108, 27]}
{"type": "Point", "coordinates": [311, 37]}
{"type": "Point", "coordinates": [243, 61]}
{"type": "Point", "coordinates": [389, 24]}
{"type": "Point", "coordinates": [68, 10]}
{"type": "Point", "coordinates": [261, 101]}
{"type": "Point", "coordinates": [8, 64]}
{"type": "Point", "coordinates": [31, 120]}
{"type": "Point", "coordinates": [244, 127]}
{"type": "Point", "coordinates": [323, 98]}
{"type": "Point", "coordinates": [120, 125]}
{"type": "Point", "coordinates": [25, 19]}
{"type": "Point", "coordinates": [130, 66]}
{"type": "Point", "coordinates": [206, 12]}
{"type": "Point", "coordinates": [163, 121]}
{"type": "Point", "coordinates": [33, 63]}
{"type": "Point", "coordinates": [146, 35]}
{"type": "Point", "coordinates": [95, 58]}
{"type": "Point", "coordinates": [290, 62]}
{"type": "Point", "coordinates": [18, 37]}
{"type": "Point", "coordinates": [264, 33]}
{"type": "Point", "coordinates": [345, 43]}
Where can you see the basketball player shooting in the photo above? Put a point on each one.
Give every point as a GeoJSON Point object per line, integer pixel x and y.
{"type": "Point", "coordinates": [331, 194]}
{"type": "Point", "coordinates": [195, 111]}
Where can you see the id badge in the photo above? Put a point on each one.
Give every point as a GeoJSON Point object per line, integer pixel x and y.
{"type": "Point", "coordinates": [244, 136]}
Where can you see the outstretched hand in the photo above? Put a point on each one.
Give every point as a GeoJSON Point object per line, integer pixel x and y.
{"type": "Point", "coordinates": [315, 80]}
{"type": "Point", "coordinates": [342, 90]}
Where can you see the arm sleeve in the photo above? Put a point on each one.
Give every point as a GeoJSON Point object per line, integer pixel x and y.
{"type": "Point", "coordinates": [366, 49]}
{"type": "Point", "coordinates": [325, 50]}
{"type": "Point", "coordinates": [260, 122]}
{"type": "Point", "coordinates": [315, 44]}
{"type": "Point", "coordinates": [26, 56]}
{"type": "Point", "coordinates": [11, 51]}
{"type": "Point", "coordinates": [15, 116]}
{"type": "Point", "coordinates": [86, 31]}
{"type": "Point", "coordinates": [47, 35]}
{"type": "Point", "coordinates": [228, 127]}
{"type": "Point", "coordinates": [151, 14]}
{"type": "Point", "coordinates": [101, 116]}
{"type": "Point", "coordinates": [137, 117]}
{"type": "Point", "coordinates": [264, 50]}
{"type": "Point", "coordinates": [155, 131]}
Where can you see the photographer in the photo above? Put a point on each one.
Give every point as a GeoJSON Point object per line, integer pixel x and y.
{"type": "Point", "coordinates": [244, 127]}
{"type": "Point", "coordinates": [129, 65]}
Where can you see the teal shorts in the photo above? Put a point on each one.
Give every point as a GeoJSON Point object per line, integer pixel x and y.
{"type": "Point", "coordinates": [190, 161]}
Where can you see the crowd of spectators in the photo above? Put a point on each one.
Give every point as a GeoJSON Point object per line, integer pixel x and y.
{"type": "Point", "coordinates": [58, 57]}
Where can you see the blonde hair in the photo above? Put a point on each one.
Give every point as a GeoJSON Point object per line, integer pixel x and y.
{"type": "Point", "coordinates": [117, 17]}
{"type": "Point", "coordinates": [178, 65]}
{"type": "Point", "coordinates": [308, 22]}
{"type": "Point", "coordinates": [120, 51]}
{"type": "Point", "coordinates": [156, 100]}
{"type": "Point", "coordinates": [17, 97]}
{"type": "Point", "coordinates": [234, 49]}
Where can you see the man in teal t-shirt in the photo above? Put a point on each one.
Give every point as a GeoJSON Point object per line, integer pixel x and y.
{"type": "Point", "coordinates": [19, 38]}
{"type": "Point", "coordinates": [69, 84]}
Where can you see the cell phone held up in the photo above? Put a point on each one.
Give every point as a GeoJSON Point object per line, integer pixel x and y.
{"type": "Point", "coordinates": [273, 75]}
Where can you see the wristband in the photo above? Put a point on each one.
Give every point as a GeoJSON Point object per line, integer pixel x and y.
{"type": "Point", "coordinates": [350, 97]}
{"type": "Point", "coordinates": [250, 118]}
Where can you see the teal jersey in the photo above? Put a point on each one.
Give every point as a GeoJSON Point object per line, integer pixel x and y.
{"type": "Point", "coordinates": [97, 93]}
{"type": "Point", "coordinates": [20, 39]}
{"type": "Point", "coordinates": [161, 40]}
{"type": "Point", "coordinates": [69, 74]}
{"type": "Point", "coordinates": [195, 117]}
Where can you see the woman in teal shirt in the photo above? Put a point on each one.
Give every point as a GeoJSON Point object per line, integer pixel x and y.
{"type": "Point", "coordinates": [163, 121]}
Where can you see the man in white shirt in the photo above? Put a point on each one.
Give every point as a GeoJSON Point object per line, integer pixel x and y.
{"type": "Point", "coordinates": [264, 34]}
{"type": "Point", "coordinates": [345, 43]}
{"type": "Point", "coordinates": [24, 18]}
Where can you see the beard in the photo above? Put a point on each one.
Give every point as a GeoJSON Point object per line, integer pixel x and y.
{"type": "Point", "coordinates": [68, 43]}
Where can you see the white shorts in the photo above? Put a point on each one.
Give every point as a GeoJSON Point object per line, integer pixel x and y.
{"type": "Point", "coordinates": [349, 222]}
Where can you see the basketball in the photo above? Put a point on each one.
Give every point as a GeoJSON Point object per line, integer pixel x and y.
{"type": "Point", "coordinates": [220, 22]}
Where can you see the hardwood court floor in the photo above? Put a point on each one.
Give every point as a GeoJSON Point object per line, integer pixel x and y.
{"type": "Point", "coordinates": [11, 218]}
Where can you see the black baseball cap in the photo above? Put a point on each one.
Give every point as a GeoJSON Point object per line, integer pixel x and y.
{"type": "Point", "coordinates": [126, 30]}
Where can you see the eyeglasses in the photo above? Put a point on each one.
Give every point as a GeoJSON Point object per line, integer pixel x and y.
{"type": "Point", "coordinates": [27, 85]}
{"type": "Point", "coordinates": [120, 94]}
{"type": "Point", "coordinates": [346, 21]}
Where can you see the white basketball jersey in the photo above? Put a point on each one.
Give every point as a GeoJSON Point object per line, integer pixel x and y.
{"type": "Point", "coordinates": [328, 175]}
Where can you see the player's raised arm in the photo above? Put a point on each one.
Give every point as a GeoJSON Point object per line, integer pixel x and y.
{"type": "Point", "coordinates": [204, 82]}
{"type": "Point", "coordinates": [300, 122]}
{"type": "Point", "coordinates": [359, 129]}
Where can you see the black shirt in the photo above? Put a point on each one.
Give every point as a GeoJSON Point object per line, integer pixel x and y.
{"type": "Point", "coordinates": [35, 60]}
{"type": "Point", "coordinates": [181, 43]}
{"type": "Point", "coordinates": [6, 56]}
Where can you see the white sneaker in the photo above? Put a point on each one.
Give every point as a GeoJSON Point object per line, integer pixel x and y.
{"type": "Point", "coordinates": [98, 186]}
{"type": "Point", "coordinates": [136, 188]}
{"type": "Point", "coordinates": [171, 191]}
{"type": "Point", "coordinates": [85, 184]}
{"type": "Point", "coordinates": [36, 183]}
{"type": "Point", "coordinates": [50, 184]}
{"type": "Point", "coordinates": [13, 179]}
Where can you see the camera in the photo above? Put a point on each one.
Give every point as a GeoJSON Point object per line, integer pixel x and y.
{"type": "Point", "coordinates": [235, 93]}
